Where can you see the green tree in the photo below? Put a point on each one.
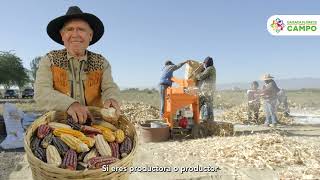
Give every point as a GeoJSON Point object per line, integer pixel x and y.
{"type": "Point", "coordinates": [12, 71]}
{"type": "Point", "coordinates": [34, 64]}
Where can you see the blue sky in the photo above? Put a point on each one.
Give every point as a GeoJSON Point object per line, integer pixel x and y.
{"type": "Point", "coordinates": [141, 35]}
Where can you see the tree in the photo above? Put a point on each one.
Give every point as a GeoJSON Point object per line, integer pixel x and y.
{"type": "Point", "coordinates": [12, 71]}
{"type": "Point", "coordinates": [34, 64]}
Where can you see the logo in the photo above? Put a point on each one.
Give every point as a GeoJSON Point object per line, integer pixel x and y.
{"type": "Point", "coordinates": [277, 25]}
{"type": "Point", "coordinates": [294, 25]}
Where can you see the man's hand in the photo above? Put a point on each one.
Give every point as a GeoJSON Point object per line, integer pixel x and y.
{"type": "Point", "coordinates": [112, 103]}
{"type": "Point", "coordinates": [78, 112]}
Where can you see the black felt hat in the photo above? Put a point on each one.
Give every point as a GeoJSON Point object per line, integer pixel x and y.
{"type": "Point", "coordinates": [74, 12]}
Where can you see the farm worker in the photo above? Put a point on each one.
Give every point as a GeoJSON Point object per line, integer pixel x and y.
{"type": "Point", "coordinates": [165, 80]}
{"type": "Point", "coordinates": [283, 100]}
{"type": "Point", "coordinates": [207, 83]}
{"type": "Point", "coordinates": [269, 93]}
{"type": "Point", "coordinates": [72, 78]}
{"type": "Point", "coordinates": [253, 101]}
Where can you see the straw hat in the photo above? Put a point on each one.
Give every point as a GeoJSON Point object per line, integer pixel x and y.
{"type": "Point", "coordinates": [266, 77]}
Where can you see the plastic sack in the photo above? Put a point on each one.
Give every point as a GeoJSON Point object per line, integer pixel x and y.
{"type": "Point", "coordinates": [28, 119]}
{"type": "Point", "coordinates": [15, 133]}
{"type": "Point", "coordinates": [192, 69]}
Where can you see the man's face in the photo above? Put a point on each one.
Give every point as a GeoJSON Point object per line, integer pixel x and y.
{"type": "Point", "coordinates": [76, 35]}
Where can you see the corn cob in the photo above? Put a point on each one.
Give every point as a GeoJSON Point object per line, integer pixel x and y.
{"type": "Point", "coordinates": [102, 128]}
{"type": "Point", "coordinates": [43, 130]}
{"type": "Point", "coordinates": [102, 146]}
{"type": "Point", "coordinates": [35, 143]}
{"type": "Point", "coordinates": [109, 114]}
{"type": "Point", "coordinates": [93, 153]}
{"type": "Point", "coordinates": [47, 140]}
{"type": "Point", "coordinates": [74, 125]}
{"type": "Point", "coordinates": [60, 145]}
{"type": "Point", "coordinates": [115, 149]}
{"type": "Point", "coordinates": [88, 141]}
{"type": "Point", "coordinates": [125, 147]}
{"type": "Point", "coordinates": [70, 160]}
{"type": "Point", "coordinates": [82, 155]}
{"type": "Point", "coordinates": [91, 135]}
{"type": "Point", "coordinates": [40, 153]}
{"type": "Point", "coordinates": [90, 130]}
{"type": "Point", "coordinates": [74, 143]}
{"type": "Point", "coordinates": [55, 125]}
{"type": "Point", "coordinates": [53, 156]}
{"type": "Point", "coordinates": [105, 124]}
{"type": "Point", "coordinates": [58, 132]}
{"type": "Point", "coordinates": [119, 134]}
{"type": "Point", "coordinates": [108, 136]}
{"type": "Point", "coordinates": [98, 162]}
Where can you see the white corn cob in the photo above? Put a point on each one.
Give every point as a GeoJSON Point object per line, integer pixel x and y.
{"type": "Point", "coordinates": [93, 153]}
{"type": "Point", "coordinates": [55, 125]}
{"type": "Point", "coordinates": [53, 156]}
{"type": "Point", "coordinates": [102, 146]}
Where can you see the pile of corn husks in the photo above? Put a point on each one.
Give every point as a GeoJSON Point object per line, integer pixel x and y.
{"type": "Point", "coordinates": [239, 114]}
{"type": "Point", "coordinates": [290, 157]}
{"type": "Point", "coordinates": [137, 112]}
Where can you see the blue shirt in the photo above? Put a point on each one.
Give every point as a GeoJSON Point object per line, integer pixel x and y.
{"type": "Point", "coordinates": [167, 74]}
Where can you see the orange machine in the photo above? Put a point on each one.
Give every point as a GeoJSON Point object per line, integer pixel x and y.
{"type": "Point", "coordinates": [177, 98]}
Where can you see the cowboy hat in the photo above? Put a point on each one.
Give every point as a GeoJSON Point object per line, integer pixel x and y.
{"type": "Point", "coordinates": [74, 12]}
{"type": "Point", "coordinates": [266, 77]}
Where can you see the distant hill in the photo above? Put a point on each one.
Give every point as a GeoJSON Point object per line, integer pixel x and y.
{"type": "Point", "coordinates": [292, 84]}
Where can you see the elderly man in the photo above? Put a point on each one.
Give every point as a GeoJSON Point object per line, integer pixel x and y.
{"type": "Point", "coordinates": [73, 78]}
{"type": "Point", "coordinates": [269, 93]}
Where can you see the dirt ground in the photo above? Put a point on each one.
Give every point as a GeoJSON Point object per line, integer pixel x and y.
{"type": "Point", "coordinates": [186, 154]}
{"type": "Point", "coordinates": [226, 157]}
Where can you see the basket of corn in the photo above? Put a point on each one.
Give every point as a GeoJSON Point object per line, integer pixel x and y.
{"type": "Point", "coordinates": [59, 148]}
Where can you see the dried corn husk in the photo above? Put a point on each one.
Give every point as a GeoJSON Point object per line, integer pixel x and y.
{"type": "Point", "coordinates": [239, 114]}
{"type": "Point", "coordinates": [291, 157]}
{"type": "Point", "coordinates": [139, 112]}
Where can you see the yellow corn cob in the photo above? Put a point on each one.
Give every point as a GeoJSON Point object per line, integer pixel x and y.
{"type": "Point", "coordinates": [119, 134]}
{"type": "Point", "coordinates": [88, 141]}
{"type": "Point", "coordinates": [102, 146]}
{"type": "Point", "coordinates": [53, 156]}
{"type": "Point", "coordinates": [108, 136]}
{"type": "Point", "coordinates": [102, 128]}
{"type": "Point", "coordinates": [75, 133]}
{"type": "Point", "coordinates": [74, 143]}
{"type": "Point", "coordinates": [55, 125]}
{"type": "Point", "coordinates": [105, 124]}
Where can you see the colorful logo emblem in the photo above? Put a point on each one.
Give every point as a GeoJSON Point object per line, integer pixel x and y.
{"type": "Point", "coordinates": [277, 25]}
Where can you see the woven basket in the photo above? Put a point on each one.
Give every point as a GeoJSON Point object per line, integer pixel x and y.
{"type": "Point", "coordinates": [43, 171]}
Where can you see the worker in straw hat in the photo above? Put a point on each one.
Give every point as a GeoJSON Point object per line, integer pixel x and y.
{"type": "Point", "coordinates": [269, 93]}
{"type": "Point", "coordinates": [72, 78]}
